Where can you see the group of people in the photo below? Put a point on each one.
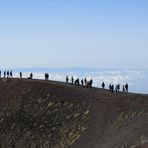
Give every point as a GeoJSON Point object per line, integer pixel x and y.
{"type": "Point", "coordinates": [83, 82]}
{"type": "Point", "coordinates": [116, 88]}
{"type": "Point", "coordinates": [7, 74]}
{"type": "Point", "coordinates": [78, 82]}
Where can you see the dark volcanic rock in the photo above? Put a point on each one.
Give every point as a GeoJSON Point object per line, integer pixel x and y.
{"type": "Point", "coordinates": [46, 114]}
{"type": "Point", "coordinates": [34, 115]}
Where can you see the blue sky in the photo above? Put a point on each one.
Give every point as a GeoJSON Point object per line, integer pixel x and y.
{"type": "Point", "coordinates": [74, 33]}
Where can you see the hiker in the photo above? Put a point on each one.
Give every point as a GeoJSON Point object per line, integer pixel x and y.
{"type": "Point", "coordinates": [4, 74]}
{"type": "Point", "coordinates": [112, 88]}
{"type": "Point", "coordinates": [8, 74]}
{"type": "Point", "coordinates": [31, 76]}
{"type": "Point", "coordinates": [67, 79]}
{"type": "Point", "coordinates": [11, 75]}
{"type": "Point", "coordinates": [103, 85]}
{"type": "Point", "coordinates": [85, 81]}
{"type": "Point", "coordinates": [82, 82]}
{"type": "Point", "coordinates": [72, 79]}
{"type": "Point", "coordinates": [89, 83]}
{"type": "Point", "coordinates": [77, 82]}
{"type": "Point", "coordinates": [126, 87]}
{"type": "Point", "coordinates": [123, 88]}
{"type": "Point", "coordinates": [46, 76]}
{"type": "Point", "coordinates": [20, 74]}
{"type": "Point", "coordinates": [118, 87]}
{"type": "Point", "coordinates": [0, 73]}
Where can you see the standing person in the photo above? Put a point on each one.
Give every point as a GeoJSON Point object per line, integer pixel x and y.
{"type": "Point", "coordinates": [126, 87]}
{"type": "Point", "coordinates": [118, 87]}
{"type": "Point", "coordinates": [4, 74]}
{"type": "Point", "coordinates": [0, 73]}
{"type": "Point", "coordinates": [20, 74]}
{"type": "Point", "coordinates": [112, 88]}
{"type": "Point", "coordinates": [123, 88]}
{"type": "Point", "coordinates": [11, 75]}
{"type": "Point", "coordinates": [31, 75]}
{"type": "Point", "coordinates": [82, 82]}
{"type": "Point", "coordinates": [67, 79]}
{"type": "Point", "coordinates": [78, 82]}
{"type": "Point", "coordinates": [103, 85]}
{"type": "Point", "coordinates": [91, 82]}
{"type": "Point", "coordinates": [46, 76]}
{"type": "Point", "coordinates": [72, 79]}
{"type": "Point", "coordinates": [8, 74]}
{"type": "Point", "coordinates": [85, 81]}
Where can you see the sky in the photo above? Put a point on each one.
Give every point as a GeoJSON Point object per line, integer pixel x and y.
{"type": "Point", "coordinates": [74, 33]}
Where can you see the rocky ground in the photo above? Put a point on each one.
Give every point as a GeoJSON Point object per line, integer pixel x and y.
{"type": "Point", "coordinates": [47, 114]}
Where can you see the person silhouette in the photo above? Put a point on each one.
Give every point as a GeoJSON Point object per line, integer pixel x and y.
{"type": "Point", "coordinates": [82, 82]}
{"type": "Point", "coordinates": [118, 87]}
{"type": "Point", "coordinates": [72, 79]}
{"type": "Point", "coordinates": [77, 82]}
{"type": "Point", "coordinates": [31, 75]}
{"type": "Point", "coordinates": [91, 82]}
{"type": "Point", "coordinates": [112, 88]}
{"type": "Point", "coordinates": [8, 74]}
{"type": "Point", "coordinates": [123, 88]}
{"type": "Point", "coordinates": [67, 79]}
{"type": "Point", "coordinates": [126, 87]}
{"type": "Point", "coordinates": [11, 75]}
{"type": "Point", "coordinates": [85, 81]}
{"type": "Point", "coordinates": [103, 85]}
{"type": "Point", "coordinates": [4, 74]}
{"type": "Point", "coordinates": [46, 76]}
{"type": "Point", "coordinates": [20, 74]}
